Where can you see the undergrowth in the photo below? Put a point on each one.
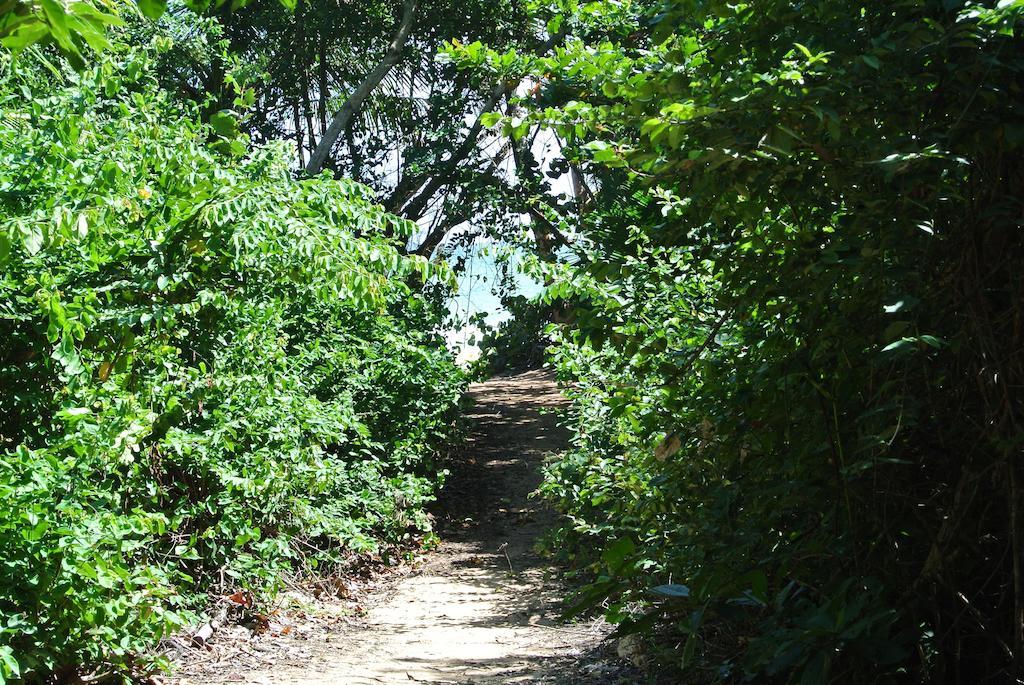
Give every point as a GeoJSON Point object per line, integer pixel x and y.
{"type": "Point", "coordinates": [210, 373]}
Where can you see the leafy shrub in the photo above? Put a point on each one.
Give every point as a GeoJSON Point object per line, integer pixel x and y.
{"type": "Point", "coordinates": [796, 361]}
{"type": "Point", "coordinates": [208, 370]}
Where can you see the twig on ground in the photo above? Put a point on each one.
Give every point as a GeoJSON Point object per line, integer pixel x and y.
{"type": "Point", "coordinates": [504, 550]}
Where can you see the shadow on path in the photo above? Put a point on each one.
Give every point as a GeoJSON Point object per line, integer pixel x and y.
{"type": "Point", "coordinates": [485, 607]}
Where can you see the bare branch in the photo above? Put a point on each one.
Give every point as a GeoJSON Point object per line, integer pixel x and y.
{"type": "Point", "coordinates": [414, 207]}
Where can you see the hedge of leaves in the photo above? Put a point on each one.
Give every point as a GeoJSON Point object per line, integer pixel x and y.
{"type": "Point", "coordinates": [209, 372]}
{"type": "Point", "coordinates": [798, 353]}
{"type": "Point", "coordinates": [516, 344]}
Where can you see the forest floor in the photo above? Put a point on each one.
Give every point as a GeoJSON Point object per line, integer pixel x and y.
{"type": "Point", "coordinates": [483, 607]}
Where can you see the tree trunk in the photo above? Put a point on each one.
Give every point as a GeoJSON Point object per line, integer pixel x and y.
{"type": "Point", "coordinates": [341, 118]}
{"type": "Point", "coordinates": [301, 45]}
{"type": "Point", "coordinates": [353, 151]}
{"type": "Point", "coordinates": [308, 107]}
{"type": "Point", "coordinates": [322, 107]}
{"type": "Point", "coordinates": [1016, 549]}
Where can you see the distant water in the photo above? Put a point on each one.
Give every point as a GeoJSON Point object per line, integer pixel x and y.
{"type": "Point", "coordinates": [478, 294]}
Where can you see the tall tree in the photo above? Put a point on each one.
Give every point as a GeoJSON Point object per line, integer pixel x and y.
{"type": "Point", "coordinates": [366, 90]}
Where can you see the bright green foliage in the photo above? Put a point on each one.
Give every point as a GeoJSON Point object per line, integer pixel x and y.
{"type": "Point", "coordinates": [78, 26]}
{"type": "Point", "coordinates": [70, 26]}
{"type": "Point", "coordinates": [208, 370]}
{"type": "Point", "coordinates": [797, 355]}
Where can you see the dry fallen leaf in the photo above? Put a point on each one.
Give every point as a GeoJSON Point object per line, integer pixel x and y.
{"type": "Point", "coordinates": [667, 447]}
{"type": "Point", "coordinates": [240, 598]}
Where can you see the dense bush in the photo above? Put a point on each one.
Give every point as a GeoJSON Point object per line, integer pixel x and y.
{"type": "Point", "coordinates": [798, 353]}
{"type": "Point", "coordinates": [210, 373]}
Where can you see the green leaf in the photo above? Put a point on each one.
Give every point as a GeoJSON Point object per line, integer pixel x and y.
{"type": "Point", "coordinates": [9, 666]}
{"type": "Point", "coordinates": [901, 345]}
{"type": "Point", "coordinates": [74, 412]}
{"type": "Point", "coordinates": [225, 123]}
{"type": "Point", "coordinates": [56, 18]}
{"type": "Point", "coordinates": [33, 239]}
{"type": "Point", "coordinates": [633, 626]}
{"type": "Point", "coordinates": [67, 355]}
{"type": "Point", "coordinates": [91, 32]}
{"type": "Point", "coordinates": [616, 553]}
{"type": "Point", "coordinates": [489, 119]}
{"type": "Point", "coordinates": [679, 110]}
{"type": "Point", "coordinates": [153, 9]}
{"type": "Point", "coordinates": [24, 35]}
{"type": "Point", "coordinates": [759, 585]}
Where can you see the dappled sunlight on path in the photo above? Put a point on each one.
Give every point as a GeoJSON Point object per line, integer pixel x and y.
{"type": "Point", "coordinates": [485, 607]}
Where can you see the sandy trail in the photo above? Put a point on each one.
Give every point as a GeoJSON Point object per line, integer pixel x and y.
{"type": "Point", "coordinates": [484, 607]}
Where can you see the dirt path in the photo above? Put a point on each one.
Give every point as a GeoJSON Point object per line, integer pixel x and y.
{"type": "Point", "coordinates": [484, 607]}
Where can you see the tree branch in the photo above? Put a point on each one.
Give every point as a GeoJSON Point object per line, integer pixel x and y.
{"type": "Point", "coordinates": [414, 208]}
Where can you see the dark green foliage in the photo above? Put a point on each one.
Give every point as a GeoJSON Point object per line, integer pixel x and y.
{"type": "Point", "coordinates": [797, 357]}
{"type": "Point", "coordinates": [78, 28]}
{"type": "Point", "coordinates": [795, 354]}
{"type": "Point", "coordinates": [209, 372]}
